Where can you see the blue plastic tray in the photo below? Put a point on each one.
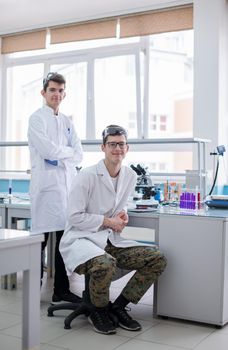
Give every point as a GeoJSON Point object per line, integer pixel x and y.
{"type": "Point", "coordinates": [213, 203]}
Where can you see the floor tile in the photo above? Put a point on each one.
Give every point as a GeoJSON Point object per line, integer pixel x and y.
{"type": "Point", "coordinates": [7, 297]}
{"type": "Point", "coordinates": [216, 341]}
{"type": "Point", "coordinates": [9, 343]}
{"type": "Point", "coordinates": [8, 320]}
{"type": "Point", "coordinates": [87, 339]}
{"type": "Point", "coordinates": [174, 335]}
{"type": "Point", "coordinates": [13, 308]}
{"type": "Point", "coordinates": [134, 344]}
{"type": "Point", "coordinates": [51, 328]}
{"type": "Point", "coordinates": [50, 347]}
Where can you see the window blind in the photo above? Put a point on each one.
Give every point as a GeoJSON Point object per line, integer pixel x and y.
{"type": "Point", "coordinates": [84, 31]}
{"type": "Point", "coordinates": [168, 20]}
{"type": "Point", "coordinates": [23, 42]}
{"type": "Point", "coordinates": [152, 22]}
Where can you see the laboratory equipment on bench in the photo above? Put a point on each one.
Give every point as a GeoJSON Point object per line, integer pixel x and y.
{"type": "Point", "coordinates": [146, 203]}
{"type": "Point", "coordinates": [190, 199]}
{"type": "Point", "coordinates": [217, 201]}
{"type": "Point", "coordinates": [220, 152]}
{"type": "Point", "coordinates": [144, 183]}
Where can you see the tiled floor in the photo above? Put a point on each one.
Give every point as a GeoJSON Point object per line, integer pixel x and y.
{"type": "Point", "coordinates": [157, 334]}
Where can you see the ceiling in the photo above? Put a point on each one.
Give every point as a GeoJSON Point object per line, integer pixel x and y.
{"type": "Point", "coordinates": [24, 15]}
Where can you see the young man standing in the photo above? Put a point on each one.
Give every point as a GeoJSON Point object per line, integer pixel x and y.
{"type": "Point", "coordinates": [92, 244]}
{"type": "Point", "coordinates": [55, 150]}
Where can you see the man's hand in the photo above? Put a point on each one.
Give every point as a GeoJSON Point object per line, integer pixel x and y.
{"type": "Point", "coordinates": [52, 162]}
{"type": "Point", "coordinates": [116, 223]}
{"type": "Point", "coordinates": [124, 216]}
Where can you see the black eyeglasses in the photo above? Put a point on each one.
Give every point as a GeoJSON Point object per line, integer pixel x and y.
{"type": "Point", "coordinates": [114, 130]}
{"type": "Point", "coordinates": [113, 145]}
{"type": "Point", "coordinates": [49, 77]}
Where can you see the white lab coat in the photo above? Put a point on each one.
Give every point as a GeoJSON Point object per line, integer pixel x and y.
{"type": "Point", "coordinates": [92, 197]}
{"type": "Point", "coordinates": [51, 137]}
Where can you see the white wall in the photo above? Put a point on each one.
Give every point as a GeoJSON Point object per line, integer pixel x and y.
{"type": "Point", "coordinates": [211, 72]}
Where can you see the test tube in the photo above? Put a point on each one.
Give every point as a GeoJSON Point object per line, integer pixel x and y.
{"type": "Point", "coordinates": [185, 200]}
{"type": "Point", "coordinates": [188, 200]}
{"type": "Point", "coordinates": [181, 200]}
{"type": "Point", "coordinates": [197, 197]}
{"type": "Point", "coordinates": [193, 201]}
{"type": "Point", "coordinates": [198, 200]}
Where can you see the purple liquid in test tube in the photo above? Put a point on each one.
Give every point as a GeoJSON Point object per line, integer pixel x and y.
{"type": "Point", "coordinates": [188, 195]}
{"type": "Point", "coordinates": [193, 201]}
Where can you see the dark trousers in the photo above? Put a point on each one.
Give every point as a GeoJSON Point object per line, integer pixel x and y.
{"type": "Point", "coordinates": [61, 282]}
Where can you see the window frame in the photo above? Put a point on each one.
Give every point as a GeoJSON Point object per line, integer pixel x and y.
{"type": "Point", "coordinates": [75, 56]}
{"type": "Point", "coordinates": [88, 55]}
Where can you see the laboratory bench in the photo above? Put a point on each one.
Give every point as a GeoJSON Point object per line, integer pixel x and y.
{"type": "Point", "coordinates": [15, 213]}
{"type": "Point", "coordinates": [18, 213]}
{"type": "Point", "coordinates": [194, 285]}
{"type": "Point", "coordinates": [13, 208]}
{"type": "Point", "coordinates": [21, 251]}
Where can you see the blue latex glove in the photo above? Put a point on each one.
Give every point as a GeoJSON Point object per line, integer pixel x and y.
{"type": "Point", "coordinates": [52, 162]}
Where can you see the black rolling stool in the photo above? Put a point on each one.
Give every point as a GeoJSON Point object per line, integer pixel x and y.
{"type": "Point", "coordinates": [83, 307]}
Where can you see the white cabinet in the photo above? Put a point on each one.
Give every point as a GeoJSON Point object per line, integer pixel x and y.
{"type": "Point", "coordinates": [2, 215]}
{"type": "Point", "coordinates": [194, 285]}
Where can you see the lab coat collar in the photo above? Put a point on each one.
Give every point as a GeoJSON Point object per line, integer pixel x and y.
{"type": "Point", "coordinates": [106, 178]}
{"type": "Point", "coordinates": [50, 110]}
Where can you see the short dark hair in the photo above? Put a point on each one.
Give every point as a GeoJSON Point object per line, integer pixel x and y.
{"type": "Point", "coordinates": [53, 76]}
{"type": "Point", "coordinates": [113, 130]}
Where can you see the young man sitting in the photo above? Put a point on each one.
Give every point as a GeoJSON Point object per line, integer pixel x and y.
{"type": "Point", "coordinates": [92, 244]}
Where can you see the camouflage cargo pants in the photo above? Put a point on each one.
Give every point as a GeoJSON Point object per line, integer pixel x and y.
{"type": "Point", "coordinates": [148, 262]}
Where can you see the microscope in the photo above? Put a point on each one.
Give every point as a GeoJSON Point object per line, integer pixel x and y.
{"type": "Point", "coordinates": [144, 183]}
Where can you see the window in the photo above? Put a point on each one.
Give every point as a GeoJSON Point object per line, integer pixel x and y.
{"type": "Point", "coordinates": [171, 84]}
{"type": "Point", "coordinates": [115, 93]}
{"type": "Point", "coordinates": [74, 104]}
{"type": "Point", "coordinates": [132, 122]}
{"type": "Point", "coordinates": [144, 84]}
{"type": "Point", "coordinates": [23, 98]}
{"type": "Point", "coordinates": [24, 84]}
